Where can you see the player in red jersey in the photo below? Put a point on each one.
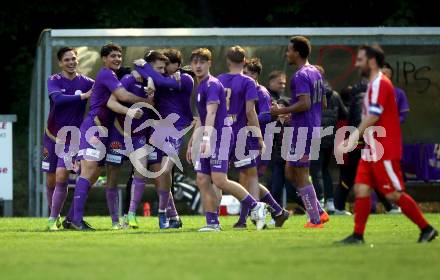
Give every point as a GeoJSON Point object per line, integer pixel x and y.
{"type": "Point", "coordinates": [379, 167]}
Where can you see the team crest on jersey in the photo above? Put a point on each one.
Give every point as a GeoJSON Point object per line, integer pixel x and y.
{"type": "Point", "coordinates": [115, 145]}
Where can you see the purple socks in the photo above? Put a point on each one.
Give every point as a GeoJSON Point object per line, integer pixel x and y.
{"type": "Point", "coordinates": [274, 207]}
{"type": "Point", "coordinates": [79, 199]}
{"type": "Point", "coordinates": [246, 205]}
{"type": "Point", "coordinates": [58, 198]}
{"type": "Point", "coordinates": [211, 218]}
{"type": "Point", "coordinates": [137, 189]}
{"type": "Point", "coordinates": [310, 201]}
{"type": "Point", "coordinates": [164, 197]}
{"type": "Point", "coordinates": [112, 196]}
{"type": "Point", "coordinates": [171, 209]}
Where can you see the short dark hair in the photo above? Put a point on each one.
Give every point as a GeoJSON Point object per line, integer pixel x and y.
{"type": "Point", "coordinates": [302, 45]}
{"type": "Point", "coordinates": [254, 65]}
{"type": "Point", "coordinates": [152, 56]}
{"type": "Point", "coordinates": [236, 54]}
{"type": "Point", "coordinates": [63, 50]}
{"type": "Point", "coordinates": [276, 74]}
{"type": "Point", "coordinates": [374, 52]}
{"type": "Point", "coordinates": [174, 56]}
{"type": "Point", "coordinates": [107, 49]}
{"type": "Point", "coordinates": [388, 66]}
{"type": "Point", "coordinates": [202, 54]}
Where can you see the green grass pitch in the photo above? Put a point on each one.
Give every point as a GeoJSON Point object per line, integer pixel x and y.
{"type": "Point", "coordinates": [27, 251]}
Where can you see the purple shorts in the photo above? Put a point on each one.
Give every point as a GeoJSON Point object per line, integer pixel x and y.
{"type": "Point", "coordinates": [300, 148]}
{"type": "Point", "coordinates": [253, 144]}
{"type": "Point", "coordinates": [116, 142]}
{"type": "Point", "coordinates": [50, 161]}
{"type": "Point", "coordinates": [218, 162]}
{"type": "Point", "coordinates": [248, 161]}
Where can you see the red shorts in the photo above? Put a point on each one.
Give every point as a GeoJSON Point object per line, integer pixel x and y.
{"type": "Point", "coordinates": [384, 176]}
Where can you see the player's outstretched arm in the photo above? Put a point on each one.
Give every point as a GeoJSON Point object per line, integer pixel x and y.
{"type": "Point", "coordinates": [60, 99]}
{"type": "Point", "coordinates": [303, 104]}
{"type": "Point", "coordinates": [147, 71]}
{"type": "Point", "coordinates": [125, 96]}
{"type": "Point", "coordinates": [117, 107]}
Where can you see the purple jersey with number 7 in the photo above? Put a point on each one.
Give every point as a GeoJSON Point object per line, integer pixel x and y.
{"type": "Point", "coordinates": [239, 89]}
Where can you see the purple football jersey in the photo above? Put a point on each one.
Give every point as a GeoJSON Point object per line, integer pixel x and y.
{"type": "Point", "coordinates": [169, 100]}
{"type": "Point", "coordinates": [106, 82]}
{"type": "Point", "coordinates": [210, 90]}
{"type": "Point", "coordinates": [239, 89]}
{"type": "Point", "coordinates": [307, 81]}
{"type": "Point", "coordinates": [71, 113]}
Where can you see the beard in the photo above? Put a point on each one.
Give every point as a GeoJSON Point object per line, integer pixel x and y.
{"type": "Point", "coordinates": [365, 73]}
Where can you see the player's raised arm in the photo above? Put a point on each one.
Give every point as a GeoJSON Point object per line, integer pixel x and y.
{"type": "Point", "coordinates": [123, 95]}
{"type": "Point", "coordinates": [159, 80]}
{"type": "Point", "coordinates": [153, 65]}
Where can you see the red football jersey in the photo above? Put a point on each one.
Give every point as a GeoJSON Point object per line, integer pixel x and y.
{"type": "Point", "coordinates": [380, 100]}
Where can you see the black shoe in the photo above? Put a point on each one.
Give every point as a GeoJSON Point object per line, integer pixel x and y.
{"type": "Point", "coordinates": [239, 225]}
{"type": "Point", "coordinates": [175, 223]}
{"type": "Point", "coordinates": [83, 226]}
{"type": "Point", "coordinates": [67, 224]}
{"type": "Point", "coordinates": [281, 218]}
{"type": "Point", "coordinates": [354, 239]}
{"type": "Point", "coordinates": [428, 234]}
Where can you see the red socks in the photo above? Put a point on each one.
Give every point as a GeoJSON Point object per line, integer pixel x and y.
{"type": "Point", "coordinates": [411, 210]}
{"type": "Point", "coordinates": [362, 208]}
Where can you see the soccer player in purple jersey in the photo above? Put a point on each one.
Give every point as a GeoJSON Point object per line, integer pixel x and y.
{"type": "Point", "coordinates": [402, 101]}
{"type": "Point", "coordinates": [253, 69]}
{"type": "Point", "coordinates": [306, 86]}
{"type": "Point", "coordinates": [241, 95]}
{"type": "Point", "coordinates": [68, 94]}
{"type": "Point", "coordinates": [173, 97]}
{"type": "Point", "coordinates": [168, 101]}
{"type": "Point", "coordinates": [211, 164]}
{"type": "Point", "coordinates": [94, 128]}
{"type": "Point", "coordinates": [117, 139]}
